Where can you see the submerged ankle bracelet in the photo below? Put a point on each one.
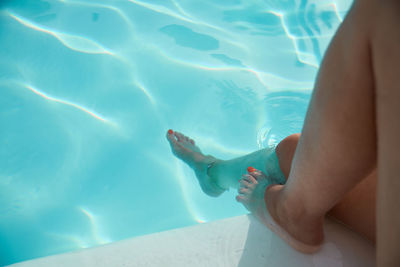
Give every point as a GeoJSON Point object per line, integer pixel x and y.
{"type": "Point", "coordinates": [209, 167]}
{"type": "Point", "coordinates": [214, 183]}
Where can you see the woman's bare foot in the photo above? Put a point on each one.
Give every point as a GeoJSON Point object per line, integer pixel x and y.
{"type": "Point", "coordinates": [185, 149]}
{"type": "Point", "coordinates": [251, 189]}
{"type": "Point", "coordinates": [302, 232]}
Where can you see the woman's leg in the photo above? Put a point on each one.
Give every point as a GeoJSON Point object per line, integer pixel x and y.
{"type": "Point", "coordinates": [356, 209]}
{"type": "Point", "coordinates": [229, 172]}
{"type": "Point", "coordinates": [367, 87]}
{"type": "Point", "coordinates": [216, 175]}
{"type": "Point", "coordinates": [386, 58]}
{"type": "Point", "coordinates": [337, 148]}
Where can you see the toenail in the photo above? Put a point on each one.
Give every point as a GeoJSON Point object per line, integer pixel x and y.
{"type": "Point", "coordinates": [170, 131]}
{"type": "Point", "coordinates": [250, 169]}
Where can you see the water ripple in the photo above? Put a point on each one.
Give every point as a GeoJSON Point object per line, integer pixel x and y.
{"type": "Point", "coordinates": [146, 92]}
{"type": "Point", "coordinates": [84, 109]}
{"type": "Point", "coordinates": [74, 42]}
{"type": "Point", "coordinates": [161, 9]}
{"type": "Point", "coordinates": [94, 225]}
{"type": "Point", "coordinates": [79, 241]}
{"type": "Point", "coordinates": [303, 57]}
{"type": "Point", "coordinates": [268, 80]}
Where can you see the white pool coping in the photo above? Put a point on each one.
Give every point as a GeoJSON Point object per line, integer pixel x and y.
{"type": "Point", "coordinates": [239, 241]}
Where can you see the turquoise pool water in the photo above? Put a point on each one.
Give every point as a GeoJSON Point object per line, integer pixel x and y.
{"type": "Point", "coordinates": [89, 88]}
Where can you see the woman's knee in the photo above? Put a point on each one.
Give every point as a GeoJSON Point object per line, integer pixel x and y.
{"type": "Point", "coordinates": [288, 145]}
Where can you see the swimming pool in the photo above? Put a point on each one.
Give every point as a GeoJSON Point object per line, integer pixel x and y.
{"type": "Point", "coordinates": [89, 88]}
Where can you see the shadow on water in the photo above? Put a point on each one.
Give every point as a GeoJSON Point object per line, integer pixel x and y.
{"type": "Point", "coordinates": [26, 7]}
{"type": "Point", "coordinates": [186, 37]}
{"type": "Point", "coordinates": [4, 3]}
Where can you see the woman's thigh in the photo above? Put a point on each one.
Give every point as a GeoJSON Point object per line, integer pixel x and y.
{"type": "Point", "coordinates": [357, 209]}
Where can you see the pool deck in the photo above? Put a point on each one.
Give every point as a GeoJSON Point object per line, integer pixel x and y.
{"type": "Point", "coordinates": [238, 241]}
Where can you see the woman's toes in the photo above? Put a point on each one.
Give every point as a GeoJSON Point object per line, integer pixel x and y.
{"type": "Point", "coordinates": [257, 175]}
{"type": "Point", "coordinates": [250, 179]}
{"type": "Point", "coordinates": [243, 183]}
{"type": "Point", "coordinates": [248, 182]}
{"type": "Point", "coordinates": [244, 191]}
{"type": "Point", "coordinates": [171, 138]}
{"type": "Point", "coordinates": [241, 198]}
{"type": "Point", "coordinates": [179, 136]}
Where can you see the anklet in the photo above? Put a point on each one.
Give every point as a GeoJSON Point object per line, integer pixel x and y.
{"type": "Point", "coordinates": [214, 183]}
